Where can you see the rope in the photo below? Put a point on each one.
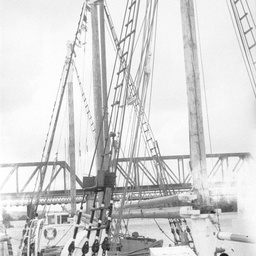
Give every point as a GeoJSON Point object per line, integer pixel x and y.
{"type": "Point", "coordinates": [63, 236]}
{"type": "Point", "coordinates": [71, 247]}
{"type": "Point", "coordinates": [62, 126]}
{"type": "Point", "coordinates": [53, 110]}
{"type": "Point", "coordinates": [58, 109]}
{"type": "Point", "coordinates": [242, 47]}
{"type": "Point", "coordinates": [88, 112]}
{"type": "Point", "coordinates": [52, 174]}
{"type": "Point", "coordinates": [203, 79]}
{"type": "Point", "coordinates": [163, 231]}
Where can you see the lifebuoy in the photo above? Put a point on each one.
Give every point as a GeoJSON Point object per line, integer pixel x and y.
{"type": "Point", "coordinates": [50, 233]}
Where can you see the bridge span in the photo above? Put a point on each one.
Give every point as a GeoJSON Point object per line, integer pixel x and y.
{"type": "Point", "coordinates": [19, 179]}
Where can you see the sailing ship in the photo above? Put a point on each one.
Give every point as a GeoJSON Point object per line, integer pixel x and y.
{"type": "Point", "coordinates": [97, 229]}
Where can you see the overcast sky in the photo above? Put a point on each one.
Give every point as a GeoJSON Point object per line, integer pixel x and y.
{"type": "Point", "coordinates": [33, 50]}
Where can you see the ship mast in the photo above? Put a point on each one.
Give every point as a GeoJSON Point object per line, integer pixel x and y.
{"type": "Point", "coordinates": [203, 234]}
{"type": "Point", "coordinates": [99, 88]}
{"type": "Point", "coordinates": [97, 94]}
{"type": "Point", "coordinates": [71, 148]}
{"type": "Point", "coordinates": [196, 132]}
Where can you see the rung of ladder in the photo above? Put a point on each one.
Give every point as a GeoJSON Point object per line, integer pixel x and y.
{"type": "Point", "coordinates": [119, 85]}
{"type": "Point", "coordinates": [149, 139]}
{"type": "Point", "coordinates": [115, 103]}
{"type": "Point", "coordinates": [129, 22]}
{"type": "Point", "coordinates": [124, 54]}
{"type": "Point", "coordinates": [248, 30]}
{"type": "Point", "coordinates": [120, 71]}
{"type": "Point", "coordinates": [243, 16]}
{"type": "Point", "coordinates": [133, 3]}
{"type": "Point", "coordinates": [252, 46]}
{"type": "Point", "coordinates": [237, 1]}
{"type": "Point", "coordinates": [129, 34]}
{"type": "Point", "coordinates": [152, 149]}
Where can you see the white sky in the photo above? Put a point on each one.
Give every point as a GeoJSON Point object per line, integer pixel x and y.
{"type": "Point", "coordinates": [33, 49]}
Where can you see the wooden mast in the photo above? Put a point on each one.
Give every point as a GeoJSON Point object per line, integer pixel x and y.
{"type": "Point", "coordinates": [100, 88]}
{"type": "Point", "coordinates": [196, 132]}
{"type": "Point", "coordinates": [97, 92]}
{"type": "Point", "coordinates": [71, 148]}
{"type": "Point", "coordinates": [203, 233]}
{"type": "Point", "coordinates": [103, 71]}
{"type": "Point", "coordinates": [100, 97]}
{"type": "Point", "coordinates": [106, 139]}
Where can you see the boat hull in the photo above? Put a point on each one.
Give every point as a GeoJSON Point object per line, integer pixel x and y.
{"type": "Point", "coordinates": [135, 245]}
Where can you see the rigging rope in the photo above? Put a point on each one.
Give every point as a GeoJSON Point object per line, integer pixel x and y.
{"type": "Point", "coordinates": [53, 111]}
{"type": "Point", "coordinates": [47, 136]}
{"type": "Point", "coordinates": [203, 78]}
{"type": "Point", "coordinates": [88, 112]}
{"type": "Point", "coordinates": [43, 171]}
{"type": "Point", "coordinates": [163, 231]}
{"type": "Point", "coordinates": [242, 47]}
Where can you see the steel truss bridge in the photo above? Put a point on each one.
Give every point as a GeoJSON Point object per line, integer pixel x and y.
{"type": "Point", "coordinates": [19, 179]}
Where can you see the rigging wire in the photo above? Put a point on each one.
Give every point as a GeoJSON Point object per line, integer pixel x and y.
{"type": "Point", "coordinates": [43, 172]}
{"type": "Point", "coordinates": [117, 126]}
{"type": "Point", "coordinates": [104, 113]}
{"type": "Point", "coordinates": [62, 127]}
{"type": "Point", "coordinates": [49, 187]}
{"type": "Point", "coordinates": [121, 122]}
{"type": "Point", "coordinates": [204, 86]}
{"type": "Point", "coordinates": [203, 78]}
{"type": "Point", "coordinates": [163, 231]}
{"type": "Point", "coordinates": [83, 81]}
{"type": "Point", "coordinates": [133, 150]}
{"type": "Point", "coordinates": [53, 111]}
{"type": "Point", "coordinates": [124, 102]}
{"type": "Point", "coordinates": [82, 44]}
{"type": "Point", "coordinates": [48, 132]}
{"type": "Point", "coordinates": [152, 28]}
{"type": "Point", "coordinates": [242, 47]}
{"type": "Point", "coordinates": [250, 13]}
{"type": "Point", "coordinates": [79, 136]}
{"type": "Point", "coordinates": [153, 63]}
{"type": "Point", "coordinates": [145, 45]}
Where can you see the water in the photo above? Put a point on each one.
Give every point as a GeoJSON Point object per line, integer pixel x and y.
{"type": "Point", "coordinates": [145, 227]}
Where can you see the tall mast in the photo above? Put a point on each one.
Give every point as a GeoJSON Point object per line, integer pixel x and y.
{"type": "Point", "coordinates": [97, 92]}
{"type": "Point", "coordinates": [104, 99]}
{"type": "Point", "coordinates": [72, 156]}
{"type": "Point", "coordinates": [196, 132]}
{"type": "Point", "coordinates": [203, 233]}
{"type": "Point", "coordinates": [97, 96]}
{"type": "Point", "coordinates": [103, 70]}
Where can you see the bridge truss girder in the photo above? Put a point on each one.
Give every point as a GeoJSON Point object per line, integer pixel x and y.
{"type": "Point", "coordinates": [223, 169]}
